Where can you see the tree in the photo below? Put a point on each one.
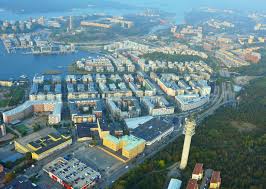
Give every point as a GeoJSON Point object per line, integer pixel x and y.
{"type": "Point", "coordinates": [9, 177]}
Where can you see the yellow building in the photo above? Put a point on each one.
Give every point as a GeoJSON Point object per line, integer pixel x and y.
{"type": "Point", "coordinates": [6, 83]}
{"type": "Point", "coordinates": [112, 142]}
{"type": "Point", "coordinates": [94, 24]}
{"type": "Point", "coordinates": [102, 133]}
{"type": "Point", "coordinates": [43, 143]}
{"type": "Point", "coordinates": [130, 145]}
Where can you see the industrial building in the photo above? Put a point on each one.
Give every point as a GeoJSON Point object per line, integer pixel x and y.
{"type": "Point", "coordinates": [42, 143]}
{"type": "Point", "coordinates": [152, 130]}
{"type": "Point", "coordinates": [72, 174]}
{"type": "Point", "coordinates": [130, 145]}
{"type": "Point", "coordinates": [37, 106]}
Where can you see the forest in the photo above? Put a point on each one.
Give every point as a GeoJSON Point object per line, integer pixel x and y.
{"type": "Point", "coordinates": [232, 141]}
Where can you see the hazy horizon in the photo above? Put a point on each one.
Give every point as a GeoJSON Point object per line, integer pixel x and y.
{"type": "Point", "coordinates": [166, 5]}
{"type": "Point", "coordinates": [172, 4]}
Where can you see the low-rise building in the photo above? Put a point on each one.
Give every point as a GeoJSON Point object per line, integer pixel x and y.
{"type": "Point", "coordinates": [197, 173]}
{"type": "Point", "coordinates": [150, 129]}
{"type": "Point", "coordinates": [175, 184]}
{"type": "Point", "coordinates": [130, 145]}
{"type": "Point", "coordinates": [192, 184]}
{"type": "Point", "coordinates": [42, 143]}
{"type": "Point", "coordinates": [86, 131]}
{"type": "Point", "coordinates": [6, 83]}
{"type": "Point", "coordinates": [215, 182]}
{"type": "Point", "coordinates": [72, 174]}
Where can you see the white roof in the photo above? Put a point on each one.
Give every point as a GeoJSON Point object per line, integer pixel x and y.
{"type": "Point", "coordinates": [133, 123]}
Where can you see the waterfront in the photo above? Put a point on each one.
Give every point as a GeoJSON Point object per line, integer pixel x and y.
{"type": "Point", "coordinates": [15, 65]}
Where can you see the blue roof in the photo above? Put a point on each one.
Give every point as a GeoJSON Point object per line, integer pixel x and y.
{"type": "Point", "coordinates": [175, 184]}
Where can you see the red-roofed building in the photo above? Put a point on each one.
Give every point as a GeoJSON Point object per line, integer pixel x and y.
{"type": "Point", "coordinates": [215, 182]}
{"type": "Point", "coordinates": [253, 57]}
{"type": "Point", "coordinates": [192, 184]}
{"type": "Point", "coordinates": [198, 171]}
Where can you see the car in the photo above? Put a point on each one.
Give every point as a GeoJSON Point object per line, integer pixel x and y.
{"type": "Point", "coordinates": [126, 167]}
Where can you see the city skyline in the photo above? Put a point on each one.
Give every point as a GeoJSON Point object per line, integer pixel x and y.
{"type": "Point", "coordinates": [124, 95]}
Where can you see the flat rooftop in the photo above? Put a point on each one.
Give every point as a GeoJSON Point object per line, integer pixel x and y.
{"type": "Point", "coordinates": [174, 184]}
{"type": "Point", "coordinates": [73, 172]}
{"type": "Point", "coordinates": [36, 135]}
{"type": "Point", "coordinates": [84, 129]}
{"type": "Point", "coordinates": [43, 140]}
{"type": "Point", "coordinates": [133, 123]}
{"type": "Point", "coordinates": [152, 129]}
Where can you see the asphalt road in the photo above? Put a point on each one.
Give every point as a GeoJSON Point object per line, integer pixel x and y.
{"type": "Point", "coordinates": [219, 98]}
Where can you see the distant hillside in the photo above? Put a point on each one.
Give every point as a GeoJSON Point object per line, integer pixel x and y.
{"type": "Point", "coordinates": [30, 6]}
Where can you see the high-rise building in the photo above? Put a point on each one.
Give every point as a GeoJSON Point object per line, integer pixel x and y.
{"type": "Point", "coordinates": [3, 129]}
{"type": "Point", "coordinates": [189, 131]}
{"type": "Point", "coordinates": [70, 23]}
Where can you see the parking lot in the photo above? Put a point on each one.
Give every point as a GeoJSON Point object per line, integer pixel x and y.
{"type": "Point", "coordinates": [96, 158]}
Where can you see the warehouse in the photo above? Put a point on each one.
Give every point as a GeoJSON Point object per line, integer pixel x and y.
{"type": "Point", "coordinates": [153, 130]}
{"type": "Point", "coordinates": [72, 174]}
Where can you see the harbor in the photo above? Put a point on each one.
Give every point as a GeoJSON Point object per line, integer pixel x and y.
{"type": "Point", "coordinates": [17, 64]}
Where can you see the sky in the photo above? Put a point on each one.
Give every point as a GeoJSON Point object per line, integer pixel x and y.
{"type": "Point", "coordinates": [175, 5]}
